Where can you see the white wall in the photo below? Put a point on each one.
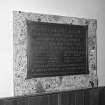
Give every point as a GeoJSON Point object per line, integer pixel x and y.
{"type": "Point", "coordinates": [73, 8]}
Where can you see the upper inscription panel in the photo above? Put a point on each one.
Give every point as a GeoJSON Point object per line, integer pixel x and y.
{"type": "Point", "coordinates": [56, 49]}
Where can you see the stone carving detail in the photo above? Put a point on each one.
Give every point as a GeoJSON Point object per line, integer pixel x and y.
{"type": "Point", "coordinates": [23, 86]}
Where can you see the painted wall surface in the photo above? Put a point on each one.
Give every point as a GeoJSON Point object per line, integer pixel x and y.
{"type": "Point", "coordinates": [73, 8]}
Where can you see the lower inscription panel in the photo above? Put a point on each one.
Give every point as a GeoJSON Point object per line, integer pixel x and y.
{"type": "Point", "coordinates": [56, 49]}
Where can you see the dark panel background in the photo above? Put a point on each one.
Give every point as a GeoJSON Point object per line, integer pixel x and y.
{"type": "Point", "coordinates": [56, 49]}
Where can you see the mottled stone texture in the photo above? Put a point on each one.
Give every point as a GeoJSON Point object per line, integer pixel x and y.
{"type": "Point", "coordinates": [23, 86]}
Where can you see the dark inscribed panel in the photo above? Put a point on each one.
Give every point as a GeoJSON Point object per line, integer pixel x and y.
{"type": "Point", "coordinates": [56, 49]}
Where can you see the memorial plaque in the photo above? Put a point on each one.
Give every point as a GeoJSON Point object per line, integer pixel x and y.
{"type": "Point", "coordinates": [56, 49]}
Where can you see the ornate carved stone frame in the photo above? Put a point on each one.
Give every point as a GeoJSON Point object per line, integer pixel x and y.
{"type": "Point", "coordinates": [23, 86]}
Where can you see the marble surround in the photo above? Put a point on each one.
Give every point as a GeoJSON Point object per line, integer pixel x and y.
{"type": "Point", "coordinates": [24, 86]}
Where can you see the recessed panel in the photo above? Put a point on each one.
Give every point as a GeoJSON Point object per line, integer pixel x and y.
{"type": "Point", "coordinates": [56, 49]}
